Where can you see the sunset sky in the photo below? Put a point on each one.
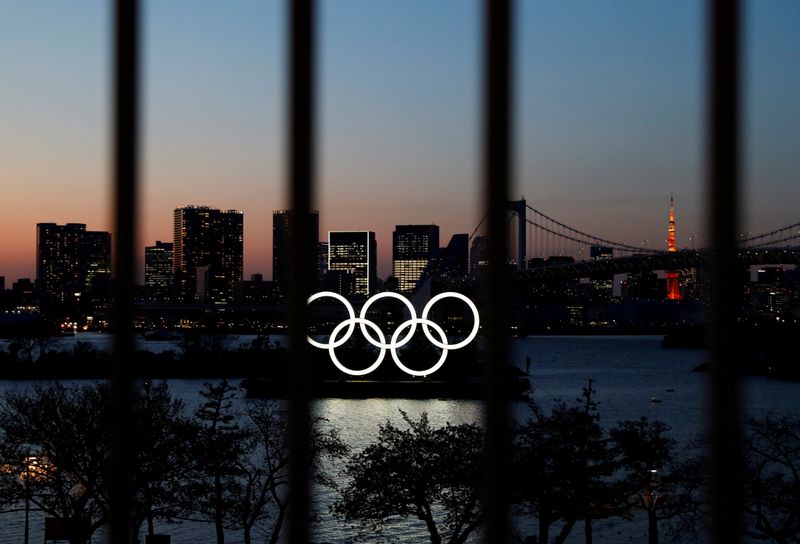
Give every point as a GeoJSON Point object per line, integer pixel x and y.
{"type": "Point", "coordinates": [609, 116]}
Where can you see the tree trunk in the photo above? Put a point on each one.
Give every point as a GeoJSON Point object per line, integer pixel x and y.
{"type": "Point", "coordinates": [544, 531]}
{"type": "Point", "coordinates": [218, 508]}
{"type": "Point", "coordinates": [652, 527]}
{"type": "Point", "coordinates": [564, 532]}
{"type": "Point", "coordinates": [436, 538]}
{"type": "Point", "coordinates": [246, 533]}
{"type": "Point", "coordinates": [587, 526]}
{"type": "Point", "coordinates": [276, 529]}
{"type": "Point", "coordinates": [136, 526]}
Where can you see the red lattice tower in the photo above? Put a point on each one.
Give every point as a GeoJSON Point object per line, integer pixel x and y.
{"type": "Point", "coordinates": [673, 282]}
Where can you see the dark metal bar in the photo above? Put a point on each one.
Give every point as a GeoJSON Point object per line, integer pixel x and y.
{"type": "Point", "coordinates": [126, 170]}
{"type": "Point", "coordinates": [497, 179]}
{"type": "Point", "coordinates": [300, 178]}
{"type": "Point", "coordinates": [723, 183]}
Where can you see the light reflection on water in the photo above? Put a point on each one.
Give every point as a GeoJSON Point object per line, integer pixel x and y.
{"type": "Point", "coordinates": [627, 372]}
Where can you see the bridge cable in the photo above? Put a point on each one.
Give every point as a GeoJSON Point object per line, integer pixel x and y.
{"type": "Point", "coordinates": [591, 236]}
{"type": "Point", "coordinates": [476, 228]}
{"type": "Point", "coordinates": [590, 240]}
{"type": "Point", "coordinates": [768, 234]}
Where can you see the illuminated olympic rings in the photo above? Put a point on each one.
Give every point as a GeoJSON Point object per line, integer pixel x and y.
{"type": "Point", "coordinates": [379, 339]}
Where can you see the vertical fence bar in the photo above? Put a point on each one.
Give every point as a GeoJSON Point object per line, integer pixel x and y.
{"type": "Point", "coordinates": [300, 178]}
{"type": "Point", "coordinates": [723, 183]}
{"type": "Point", "coordinates": [497, 181]}
{"type": "Point", "coordinates": [125, 171]}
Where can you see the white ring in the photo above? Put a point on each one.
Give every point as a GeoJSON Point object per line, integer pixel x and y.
{"type": "Point", "coordinates": [350, 312]}
{"type": "Point", "coordinates": [394, 347]}
{"type": "Point", "coordinates": [472, 307]}
{"type": "Point", "coordinates": [332, 351]}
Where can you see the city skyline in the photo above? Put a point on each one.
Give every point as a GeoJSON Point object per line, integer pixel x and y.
{"type": "Point", "coordinates": [609, 117]}
{"type": "Point", "coordinates": [561, 244]}
{"type": "Point", "coordinates": [158, 243]}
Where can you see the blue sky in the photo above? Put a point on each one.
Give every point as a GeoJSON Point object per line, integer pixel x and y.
{"type": "Point", "coordinates": [609, 116]}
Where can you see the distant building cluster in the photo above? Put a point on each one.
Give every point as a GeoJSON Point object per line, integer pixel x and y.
{"type": "Point", "coordinates": [203, 264]}
{"type": "Point", "coordinates": [197, 277]}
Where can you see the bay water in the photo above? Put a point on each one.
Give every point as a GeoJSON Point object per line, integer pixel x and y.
{"type": "Point", "coordinates": [633, 377]}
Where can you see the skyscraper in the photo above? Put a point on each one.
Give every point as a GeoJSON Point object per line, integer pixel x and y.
{"type": "Point", "coordinates": [352, 261]}
{"type": "Point", "coordinates": [414, 248]}
{"type": "Point", "coordinates": [208, 251]}
{"type": "Point", "coordinates": [158, 274]}
{"type": "Point", "coordinates": [70, 259]}
{"type": "Point", "coordinates": [96, 259]}
{"type": "Point", "coordinates": [478, 254]}
{"type": "Point", "coordinates": [322, 259]}
{"type": "Point", "coordinates": [453, 261]}
{"type": "Point", "coordinates": [282, 221]}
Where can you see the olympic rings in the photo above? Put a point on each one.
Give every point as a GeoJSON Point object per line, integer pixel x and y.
{"type": "Point", "coordinates": [395, 343]}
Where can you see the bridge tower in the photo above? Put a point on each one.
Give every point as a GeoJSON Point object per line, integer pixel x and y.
{"type": "Point", "coordinates": [519, 207]}
{"type": "Point", "coordinates": [673, 283]}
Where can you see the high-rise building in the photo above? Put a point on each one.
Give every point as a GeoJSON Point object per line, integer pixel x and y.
{"type": "Point", "coordinates": [478, 255]}
{"type": "Point", "coordinates": [282, 221]}
{"type": "Point", "coordinates": [352, 261]}
{"type": "Point", "coordinates": [70, 259]}
{"type": "Point", "coordinates": [414, 248]}
{"type": "Point", "coordinates": [96, 259]}
{"type": "Point", "coordinates": [208, 251]}
{"type": "Point", "coordinates": [453, 260]}
{"type": "Point", "coordinates": [158, 274]}
{"type": "Point", "coordinates": [322, 260]}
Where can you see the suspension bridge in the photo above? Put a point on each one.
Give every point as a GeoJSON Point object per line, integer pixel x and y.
{"type": "Point", "coordinates": [549, 249]}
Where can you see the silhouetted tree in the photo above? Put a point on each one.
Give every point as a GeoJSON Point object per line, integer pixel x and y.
{"type": "Point", "coordinates": [772, 478]}
{"type": "Point", "coordinates": [651, 479]}
{"type": "Point", "coordinates": [259, 489]}
{"type": "Point", "coordinates": [219, 448]}
{"type": "Point", "coordinates": [164, 463]}
{"type": "Point", "coordinates": [428, 473]}
{"type": "Point", "coordinates": [562, 465]}
{"type": "Point", "coordinates": [597, 461]}
{"type": "Point", "coordinates": [56, 450]}
{"type": "Point", "coordinates": [30, 348]}
{"type": "Point", "coordinates": [687, 482]}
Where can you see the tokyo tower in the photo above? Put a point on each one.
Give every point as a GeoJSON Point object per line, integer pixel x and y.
{"type": "Point", "coordinates": [673, 285]}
